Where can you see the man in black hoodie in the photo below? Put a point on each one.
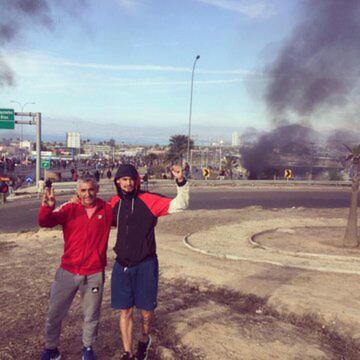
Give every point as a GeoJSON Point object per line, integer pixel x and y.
{"type": "Point", "coordinates": [135, 274]}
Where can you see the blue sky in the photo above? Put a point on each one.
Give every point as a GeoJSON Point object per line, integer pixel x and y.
{"type": "Point", "coordinates": [129, 62]}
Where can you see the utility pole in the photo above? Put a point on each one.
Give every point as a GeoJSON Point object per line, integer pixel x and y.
{"type": "Point", "coordinates": [190, 111]}
{"type": "Point", "coordinates": [220, 156]}
{"type": "Point", "coordinates": [22, 106]}
{"type": "Point", "coordinates": [36, 120]}
{"type": "Point", "coordinates": [38, 146]}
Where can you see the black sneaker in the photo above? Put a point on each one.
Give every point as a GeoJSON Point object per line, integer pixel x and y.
{"type": "Point", "coordinates": [126, 356]}
{"type": "Point", "coordinates": [142, 349]}
{"type": "Point", "coordinates": [50, 354]}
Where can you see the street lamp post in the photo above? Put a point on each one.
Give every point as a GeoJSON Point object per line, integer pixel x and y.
{"type": "Point", "coordinates": [220, 157]}
{"type": "Point", "coordinates": [22, 106]}
{"type": "Point", "coordinates": [191, 95]}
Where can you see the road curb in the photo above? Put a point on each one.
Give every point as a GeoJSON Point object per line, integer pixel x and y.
{"type": "Point", "coordinates": [276, 263]}
{"type": "Point", "coordinates": [298, 253]}
{"type": "Point", "coordinates": [225, 256]}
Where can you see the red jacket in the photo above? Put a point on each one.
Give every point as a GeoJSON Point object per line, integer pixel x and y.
{"type": "Point", "coordinates": [85, 240]}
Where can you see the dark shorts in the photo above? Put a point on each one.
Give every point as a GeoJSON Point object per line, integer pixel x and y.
{"type": "Point", "coordinates": [135, 286]}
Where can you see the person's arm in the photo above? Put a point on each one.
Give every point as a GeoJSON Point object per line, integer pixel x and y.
{"type": "Point", "coordinates": [181, 201]}
{"type": "Point", "coordinates": [48, 217]}
{"type": "Point", "coordinates": [161, 206]}
{"type": "Point", "coordinates": [112, 202]}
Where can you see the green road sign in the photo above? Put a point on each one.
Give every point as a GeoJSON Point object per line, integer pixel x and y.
{"type": "Point", "coordinates": [7, 119]}
{"type": "Point", "coordinates": [45, 164]}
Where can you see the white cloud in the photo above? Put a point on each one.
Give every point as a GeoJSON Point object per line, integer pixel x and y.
{"type": "Point", "coordinates": [34, 60]}
{"type": "Point", "coordinates": [144, 82]}
{"type": "Point", "coordinates": [148, 68]}
{"type": "Point", "coordinates": [253, 9]}
{"type": "Point", "coordinates": [46, 73]}
{"type": "Point", "coordinates": [128, 4]}
{"type": "Point", "coordinates": [121, 67]}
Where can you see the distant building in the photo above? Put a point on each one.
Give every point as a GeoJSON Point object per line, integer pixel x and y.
{"type": "Point", "coordinates": [100, 150]}
{"type": "Point", "coordinates": [25, 144]}
{"type": "Point", "coordinates": [235, 139]}
{"type": "Point", "coordinates": [133, 151]}
{"type": "Point", "coordinates": [73, 140]}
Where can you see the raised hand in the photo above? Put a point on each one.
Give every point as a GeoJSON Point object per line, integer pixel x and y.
{"type": "Point", "coordinates": [48, 198]}
{"type": "Point", "coordinates": [177, 172]}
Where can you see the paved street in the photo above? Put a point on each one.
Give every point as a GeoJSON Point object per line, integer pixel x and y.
{"type": "Point", "coordinates": [22, 214]}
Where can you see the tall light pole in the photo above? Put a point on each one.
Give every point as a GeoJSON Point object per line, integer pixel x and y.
{"type": "Point", "coordinates": [191, 95]}
{"type": "Point", "coordinates": [220, 143]}
{"type": "Point", "coordinates": [22, 106]}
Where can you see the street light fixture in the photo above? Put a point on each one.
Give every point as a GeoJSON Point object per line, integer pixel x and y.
{"type": "Point", "coordinates": [22, 106]}
{"type": "Point", "coordinates": [191, 95]}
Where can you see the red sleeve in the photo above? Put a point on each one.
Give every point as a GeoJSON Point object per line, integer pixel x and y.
{"type": "Point", "coordinates": [157, 204]}
{"type": "Point", "coordinates": [49, 217]}
{"type": "Point", "coordinates": [112, 202]}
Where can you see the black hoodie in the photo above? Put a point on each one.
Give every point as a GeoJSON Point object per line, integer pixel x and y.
{"type": "Point", "coordinates": [135, 215]}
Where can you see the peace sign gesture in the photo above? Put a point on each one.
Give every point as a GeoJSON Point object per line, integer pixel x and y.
{"type": "Point", "coordinates": [48, 198]}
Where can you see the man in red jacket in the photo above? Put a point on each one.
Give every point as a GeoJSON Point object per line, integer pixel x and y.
{"type": "Point", "coordinates": [86, 226]}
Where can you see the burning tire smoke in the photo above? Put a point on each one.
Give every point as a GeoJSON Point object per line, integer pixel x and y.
{"type": "Point", "coordinates": [263, 159]}
{"type": "Point", "coordinates": [316, 70]}
{"type": "Point", "coordinates": [318, 67]}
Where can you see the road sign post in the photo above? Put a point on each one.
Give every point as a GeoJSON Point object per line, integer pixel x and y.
{"type": "Point", "coordinates": [7, 119]}
{"type": "Point", "coordinates": [206, 172]}
{"type": "Point", "coordinates": [288, 174]}
{"type": "Point", "coordinates": [36, 120]}
{"type": "Point", "coordinates": [29, 179]}
{"type": "Point", "coordinates": [45, 164]}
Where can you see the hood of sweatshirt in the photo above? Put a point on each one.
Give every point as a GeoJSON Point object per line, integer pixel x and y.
{"type": "Point", "coordinates": [124, 171]}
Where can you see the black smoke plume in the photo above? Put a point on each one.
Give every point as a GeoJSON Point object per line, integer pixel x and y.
{"type": "Point", "coordinates": [264, 159]}
{"type": "Point", "coordinates": [6, 75]}
{"type": "Point", "coordinates": [20, 16]}
{"type": "Point", "coordinates": [318, 67]}
{"type": "Point", "coordinates": [340, 137]}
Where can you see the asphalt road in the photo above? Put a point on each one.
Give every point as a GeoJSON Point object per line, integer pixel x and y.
{"type": "Point", "coordinates": [21, 215]}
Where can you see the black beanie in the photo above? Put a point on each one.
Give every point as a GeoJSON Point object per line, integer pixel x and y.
{"type": "Point", "coordinates": [127, 170]}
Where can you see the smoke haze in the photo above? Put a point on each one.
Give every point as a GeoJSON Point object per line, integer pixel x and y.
{"type": "Point", "coordinates": [263, 158]}
{"type": "Point", "coordinates": [6, 75]}
{"type": "Point", "coordinates": [318, 67]}
{"type": "Point", "coordinates": [18, 16]}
